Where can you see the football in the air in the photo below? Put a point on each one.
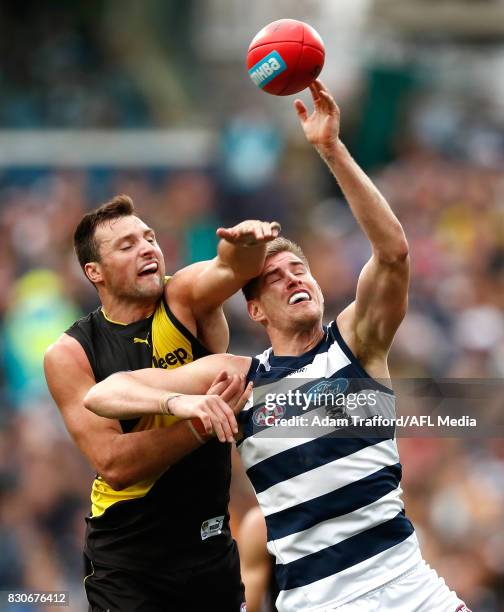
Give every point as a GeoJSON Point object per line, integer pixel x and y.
{"type": "Point", "coordinates": [285, 57]}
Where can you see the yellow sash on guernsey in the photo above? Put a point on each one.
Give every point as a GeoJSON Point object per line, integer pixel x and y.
{"type": "Point", "coordinates": [170, 349]}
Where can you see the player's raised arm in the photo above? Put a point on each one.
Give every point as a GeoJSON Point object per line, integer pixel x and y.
{"type": "Point", "coordinates": [206, 285]}
{"type": "Point", "coordinates": [381, 299]}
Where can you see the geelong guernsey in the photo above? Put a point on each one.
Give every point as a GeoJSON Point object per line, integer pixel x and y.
{"type": "Point", "coordinates": [331, 494]}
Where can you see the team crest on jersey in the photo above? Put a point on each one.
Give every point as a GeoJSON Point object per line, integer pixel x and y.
{"type": "Point", "coordinates": [325, 392]}
{"type": "Point", "coordinates": [263, 416]}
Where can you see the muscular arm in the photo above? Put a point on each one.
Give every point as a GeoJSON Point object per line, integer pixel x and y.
{"type": "Point", "coordinates": [255, 561]}
{"type": "Point", "coordinates": [122, 459]}
{"type": "Point", "coordinates": [381, 299]}
{"type": "Point", "coordinates": [126, 395]}
{"type": "Point", "coordinates": [196, 293]}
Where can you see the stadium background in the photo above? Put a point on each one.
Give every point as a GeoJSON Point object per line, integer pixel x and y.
{"type": "Point", "coordinates": [152, 99]}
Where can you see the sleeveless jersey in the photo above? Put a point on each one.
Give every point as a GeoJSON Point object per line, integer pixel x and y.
{"type": "Point", "coordinates": [330, 493]}
{"type": "Point", "coordinates": [179, 519]}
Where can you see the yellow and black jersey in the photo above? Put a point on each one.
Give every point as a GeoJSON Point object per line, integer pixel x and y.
{"type": "Point", "coordinates": [181, 516]}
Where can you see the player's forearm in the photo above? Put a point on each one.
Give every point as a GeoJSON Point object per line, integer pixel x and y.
{"type": "Point", "coordinates": [141, 455]}
{"type": "Point", "coordinates": [245, 262]}
{"type": "Point", "coordinates": [122, 396]}
{"type": "Point", "coordinates": [367, 204]}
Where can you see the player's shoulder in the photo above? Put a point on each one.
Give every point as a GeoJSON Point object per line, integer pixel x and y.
{"type": "Point", "coordinates": [64, 353]}
{"type": "Point", "coordinates": [85, 321]}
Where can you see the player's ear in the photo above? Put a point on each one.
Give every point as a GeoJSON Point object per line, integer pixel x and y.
{"type": "Point", "coordinates": [93, 271]}
{"type": "Point", "coordinates": [255, 311]}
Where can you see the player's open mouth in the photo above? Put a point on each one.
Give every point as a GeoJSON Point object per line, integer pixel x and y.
{"type": "Point", "coordinates": [150, 268]}
{"type": "Point", "coordinates": [299, 296]}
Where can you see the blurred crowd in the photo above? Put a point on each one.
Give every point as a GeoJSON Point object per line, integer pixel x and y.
{"type": "Point", "coordinates": [452, 212]}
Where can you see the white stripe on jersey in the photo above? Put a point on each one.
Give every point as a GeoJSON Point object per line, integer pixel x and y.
{"type": "Point", "coordinates": [337, 529]}
{"type": "Point", "coordinates": [352, 582]}
{"type": "Point", "coordinates": [271, 441]}
{"type": "Point", "coordinates": [328, 477]}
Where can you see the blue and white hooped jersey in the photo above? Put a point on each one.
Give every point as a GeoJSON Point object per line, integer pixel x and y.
{"type": "Point", "coordinates": [331, 495]}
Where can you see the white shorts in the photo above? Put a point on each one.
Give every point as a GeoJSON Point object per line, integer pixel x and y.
{"type": "Point", "coordinates": [418, 590]}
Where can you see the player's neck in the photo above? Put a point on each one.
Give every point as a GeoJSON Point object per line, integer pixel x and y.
{"type": "Point", "coordinates": [126, 312]}
{"type": "Point", "coordinates": [295, 343]}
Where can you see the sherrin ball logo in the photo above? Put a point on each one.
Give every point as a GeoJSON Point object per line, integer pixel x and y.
{"type": "Point", "coordinates": [267, 68]}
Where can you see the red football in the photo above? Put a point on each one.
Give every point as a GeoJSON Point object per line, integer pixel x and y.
{"type": "Point", "coordinates": [285, 57]}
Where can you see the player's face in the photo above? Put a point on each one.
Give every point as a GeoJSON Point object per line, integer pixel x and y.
{"type": "Point", "coordinates": [288, 297]}
{"type": "Point", "coordinates": [132, 265]}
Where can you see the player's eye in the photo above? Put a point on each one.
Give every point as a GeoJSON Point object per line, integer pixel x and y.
{"type": "Point", "coordinates": [125, 247]}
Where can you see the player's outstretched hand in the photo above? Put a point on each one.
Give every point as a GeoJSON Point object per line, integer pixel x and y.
{"type": "Point", "coordinates": [250, 233]}
{"type": "Point", "coordinates": [322, 126]}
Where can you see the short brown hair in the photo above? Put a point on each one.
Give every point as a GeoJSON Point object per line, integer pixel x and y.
{"type": "Point", "coordinates": [86, 247]}
{"type": "Point", "coordinates": [278, 245]}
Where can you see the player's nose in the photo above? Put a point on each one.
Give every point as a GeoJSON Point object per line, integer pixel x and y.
{"type": "Point", "coordinates": [292, 279]}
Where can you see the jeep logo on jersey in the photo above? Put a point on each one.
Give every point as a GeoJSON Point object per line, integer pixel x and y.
{"type": "Point", "coordinates": [267, 69]}
{"type": "Point", "coordinates": [177, 357]}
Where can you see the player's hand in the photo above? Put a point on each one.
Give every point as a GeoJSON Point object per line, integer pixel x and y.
{"type": "Point", "coordinates": [232, 390]}
{"type": "Point", "coordinates": [250, 233]}
{"type": "Point", "coordinates": [322, 127]}
{"type": "Point", "coordinates": [217, 417]}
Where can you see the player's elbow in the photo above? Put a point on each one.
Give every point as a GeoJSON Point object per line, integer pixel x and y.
{"type": "Point", "coordinates": [116, 482]}
{"type": "Point", "coordinates": [116, 476]}
{"type": "Point", "coordinates": [115, 479]}
{"type": "Point", "coordinates": [93, 400]}
{"type": "Point", "coordinates": [99, 398]}
{"type": "Point", "coordinates": [396, 252]}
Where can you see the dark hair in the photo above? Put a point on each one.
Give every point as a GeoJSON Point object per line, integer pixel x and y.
{"type": "Point", "coordinates": [85, 244]}
{"type": "Point", "coordinates": [278, 245]}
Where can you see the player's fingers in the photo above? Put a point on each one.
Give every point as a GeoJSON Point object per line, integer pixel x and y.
{"type": "Point", "coordinates": [206, 420]}
{"type": "Point", "coordinates": [228, 419]}
{"type": "Point", "coordinates": [221, 419]}
{"type": "Point", "coordinates": [219, 383]}
{"type": "Point", "coordinates": [216, 426]}
{"type": "Point", "coordinates": [328, 101]}
{"type": "Point", "coordinates": [267, 232]}
{"type": "Point", "coordinates": [319, 85]}
{"type": "Point", "coordinates": [232, 401]}
{"type": "Point", "coordinates": [258, 232]}
{"type": "Point", "coordinates": [315, 93]}
{"type": "Point", "coordinates": [302, 111]}
{"type": "Point", "coordinates": [243, 399]}
{"type": "Point", "coordinates": [276, 228]}
{"type": "Point", "coordinates": [233, 386]}
{"type": "Point", "coordinates": [226, 233]}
